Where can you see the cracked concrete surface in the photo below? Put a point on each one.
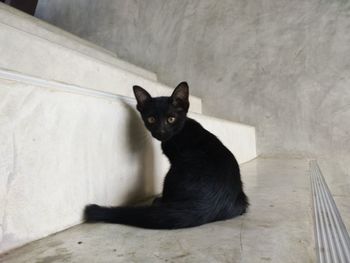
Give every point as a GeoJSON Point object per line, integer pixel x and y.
{"type": "Point", "coordinates": [279, 221]}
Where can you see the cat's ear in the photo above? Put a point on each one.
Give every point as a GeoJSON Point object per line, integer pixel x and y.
{"type": "Point", "coordinates": [142, 97]}
{"type": "Point", "coordinates": [180, 96]}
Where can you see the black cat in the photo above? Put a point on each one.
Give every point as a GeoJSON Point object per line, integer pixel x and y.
{"type": "Point", "coordinates": [203, 183]}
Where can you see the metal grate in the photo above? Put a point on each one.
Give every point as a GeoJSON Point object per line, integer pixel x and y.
{"type": "Point", "coordinates": [332, 238]}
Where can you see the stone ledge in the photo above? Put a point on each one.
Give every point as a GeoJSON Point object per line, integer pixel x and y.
{"type": "Point", "coordinates": [14, 18]}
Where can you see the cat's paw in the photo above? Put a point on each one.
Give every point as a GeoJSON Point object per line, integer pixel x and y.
{"type": "Point", "coordinates": [157, 201]}
{"type": "Point", "coordinates": [92, 213]}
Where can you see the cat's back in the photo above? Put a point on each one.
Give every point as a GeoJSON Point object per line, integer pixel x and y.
{"type": "Point", "coordinates": [201, 137]}
{"type": "Point", "coordinates": [196, 143]}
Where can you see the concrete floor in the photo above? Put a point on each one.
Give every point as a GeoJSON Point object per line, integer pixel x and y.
{"type": "Point", "coordinates": [277, 228]}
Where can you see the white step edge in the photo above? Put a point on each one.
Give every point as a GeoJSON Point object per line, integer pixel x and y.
{"type": "Point", "coordinates": [331, 236]}
{"type": "Point", "coordinates": [24, 78]}
{"type": "Point", "coordinates": [12, 17]}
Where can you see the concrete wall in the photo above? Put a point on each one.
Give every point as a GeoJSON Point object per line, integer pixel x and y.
{"type": "Point", "coordinates": [281, 66]}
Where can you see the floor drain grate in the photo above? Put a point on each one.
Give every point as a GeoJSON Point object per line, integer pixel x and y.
{"type": "Point", "coordinates": [332, 238]}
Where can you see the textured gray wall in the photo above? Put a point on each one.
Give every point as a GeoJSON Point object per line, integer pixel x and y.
{"type": "Point", "coordinates": [282, 66]}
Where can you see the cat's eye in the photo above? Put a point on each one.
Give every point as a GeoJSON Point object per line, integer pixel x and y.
{"type": "Point", "coordinates": [171, 119]}
{"type": "Point", "coordinates": [151, 119]}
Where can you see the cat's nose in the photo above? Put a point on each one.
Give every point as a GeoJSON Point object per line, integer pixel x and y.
{"type": "Point", "coordinates": [162, 131]}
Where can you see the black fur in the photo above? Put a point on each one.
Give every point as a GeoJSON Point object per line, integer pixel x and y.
{"type": "Point", "coordinates": [203, 184]}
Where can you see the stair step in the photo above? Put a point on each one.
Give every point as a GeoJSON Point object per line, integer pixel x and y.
{"type": "Point", "coordinates": [33, 50]}
{"type": "Point", "coordinates": [277, 228]}
{"type": "Point", "coordinates": [42, 30]}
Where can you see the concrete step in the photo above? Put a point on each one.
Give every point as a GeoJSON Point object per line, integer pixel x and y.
{"type": "Point", "coordinates": [18, 20]}
{"type": "Point", "coordinates": [277, 228]}
{"type": "Point", "coordinates": [34, 48]}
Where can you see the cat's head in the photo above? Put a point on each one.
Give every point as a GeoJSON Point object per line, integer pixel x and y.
{"type": "Point", "coordinates": [163, 116]}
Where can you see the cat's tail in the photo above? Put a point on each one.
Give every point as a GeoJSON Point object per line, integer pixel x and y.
{"type": "Point", "coordinates": [152, 217]}
{"type": "Point", "coordinates": [165, 216]}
